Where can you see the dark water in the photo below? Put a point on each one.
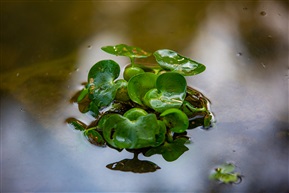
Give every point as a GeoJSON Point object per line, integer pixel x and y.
{"type": "Point", "coordinates": [48, 47]}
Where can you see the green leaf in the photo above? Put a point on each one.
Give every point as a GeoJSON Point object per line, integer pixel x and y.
{"type": "Point", "coordinates": [82, 95]}
{"type": "Point", "coordinates": [121, 132]}
{"type": "Point", "coordinates": [171, 60]}
{"type": "Point", "coordinates": [170, 92]}
{"type": "Point", "coordinates": [170, 151]}
{"type": "Point", "coordinates": [225, 174]}
{"type": "Point", "coordinates": [139, 85]}
{"type": "Point", "coordinates": [176, 120]}
{"type": "Point", "coordinates": [125, 50]}
{"type": "Point", "coordinates": [101, 85]}
{"type": "Point", "coordinates": [94, 137]}
{"type": "Point", "coordinates": [132, 71]}
{"type": "Point", "coordinates": [122, 92]}
{"type": "Point", "coordinates": [76, 124]}
{"type": "Point", "coordinates": [134, 113]}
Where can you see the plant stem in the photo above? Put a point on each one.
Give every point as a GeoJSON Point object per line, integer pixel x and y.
{"type": "Point", "coordinates": [132, 61]}
{"type": "Point", "coordinates": [169, 136]}
{"type": "Point", "coordinates": [194, 109]}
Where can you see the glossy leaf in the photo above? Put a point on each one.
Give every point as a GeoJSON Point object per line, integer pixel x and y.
{"type": "Point", "coordinates": [134, 113]}
{"type": "Point", "coordinates": [170, 151]}
{"type": "Point", "coordinates": [125, 50]}
{"type": "Point", "coordinates": [121, 132]}
{"type": "Point", "coordinates": [101, 85]}
{"type": "Point", "coordinates": [171, 60]}
{"type": "Point", "coordinates": [132, 71]}
{"type": "Point", "coordinates": [176, 120]}
{"type": "Point", "coordinates": [170, 92]}
{"type": "Point", "coordinates": [139, 85]}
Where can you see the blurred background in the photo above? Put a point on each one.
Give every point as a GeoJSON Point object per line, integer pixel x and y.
{"type": "Point", "coordinates": [47, 48]}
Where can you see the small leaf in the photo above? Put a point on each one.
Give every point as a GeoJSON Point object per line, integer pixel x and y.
{"type": "Point", "coordinates": [125, 50]}
{"type": "Point", "coordinates": [176, 120]}
{"type": "Point", "coordinates": [134, 113]}
{"type": "Point", "coordinates": [101, 85]}
{"type": "Point", "coordinates": [170, 92]}
{"type": "Point", "coordinates": [94, 137]}
{"type": "Point", "coordinates": [171, 60]}
{"type": "Point", "coordinates": [82, 95]}
{"type": "Point", "coordinates": [131, 71]}
{"type": "Point", "coordinates": [139, 85]}
{"type": "Point", "coordinates": [122, 92]}
{"type": "Point", "coordinates": [76, 124]}
{"type": "Point", "coordinates": [225, 174]}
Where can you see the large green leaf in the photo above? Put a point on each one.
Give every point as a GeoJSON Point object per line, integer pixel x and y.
{"type": "Point", "coordinates": [170, 92]}
{"type": "Point", "coordinates": [101, 86]}
{"type": "Point", "coordinates": [171, 60]}
{"type": "Point", "coordinates": [139, 132]}
{"type": "Point", "coordinates": [139, 85]}
{"type": "Point", "coordinates": [125, 50]}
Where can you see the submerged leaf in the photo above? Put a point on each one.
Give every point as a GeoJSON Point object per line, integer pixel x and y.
{"type": "Point", "coordinates": [171, 60]}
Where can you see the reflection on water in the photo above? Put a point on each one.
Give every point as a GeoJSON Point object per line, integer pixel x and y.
{"type": "Point", "coordinates": [245, 52]}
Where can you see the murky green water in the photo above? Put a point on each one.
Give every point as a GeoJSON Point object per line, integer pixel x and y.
{"type": "Point", "coordinates": [48, 47]}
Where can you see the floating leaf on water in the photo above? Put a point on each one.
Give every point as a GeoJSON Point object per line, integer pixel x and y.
{"type": "Point", "coordinates": [125, 50]}
{"type": "Point", "coordinates": [226, 174]}
{"type": "Point", "coordinates": [170, 60]}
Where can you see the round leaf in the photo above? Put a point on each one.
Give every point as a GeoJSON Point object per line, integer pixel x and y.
{"type": "Point", "coordinates": [120, 132]}
{"type": "Point", "coordinates": [103, 71]}
{"type": "Point", "coordinates": [101, 85]}
{"type": "Point", "coordinates": [139, 85]}
{"type": "Point", "coordinates": [125, 50]}
{"type": "Point", "coordinates": [176, 120]}
{"type": "Point", "coordinates": [134, 113]}
{"type": "Point", "coordinates": [170, 92]}
{"type": "Point", "coordinates": [131, 71]}
{"type": "Point", "coordinates": [171, 60]}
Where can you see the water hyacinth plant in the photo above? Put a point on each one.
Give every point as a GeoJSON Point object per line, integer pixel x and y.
{"type": "Point", "coordinates": [148, 112]}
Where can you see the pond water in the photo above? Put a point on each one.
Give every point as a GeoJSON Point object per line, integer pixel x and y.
{"type": "Point", "coordinates": [48, 47]}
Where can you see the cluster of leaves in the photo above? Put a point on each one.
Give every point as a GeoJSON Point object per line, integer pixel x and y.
{"type": "Point", "coordinates": [150, 110]}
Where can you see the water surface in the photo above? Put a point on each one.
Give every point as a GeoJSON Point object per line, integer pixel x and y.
{"type": "Point", "coordinates": [48, 47]}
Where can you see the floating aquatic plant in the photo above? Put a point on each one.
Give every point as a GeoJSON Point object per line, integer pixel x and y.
{"type": "Point", "coordinates": [148, 112]}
